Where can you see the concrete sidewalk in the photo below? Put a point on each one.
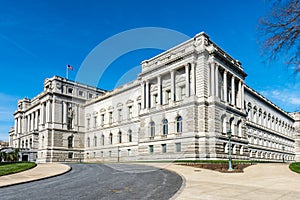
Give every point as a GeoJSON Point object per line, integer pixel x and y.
{"type": "Point", "coordinates": [41, 171]}
{"type": "Point", "coordinates": [261, 181]}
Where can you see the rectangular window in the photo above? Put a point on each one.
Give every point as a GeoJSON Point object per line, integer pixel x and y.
{"type": "Point", "coordinates": [102, 119]}
{"type": "Point", "coordinates": [102, 154]}
{"type": "Point", "coordinates": [164, 148]}
{"type": "Point", "coordinates": [139, 108]}
{"type": "Point", "coordinates": [109, 154]}
{"type": "Point", "coordinates": [178, 147]}
{"type": "Point", "coordinates": [80, 93]}
{"type": "Point", "coordinates": [168, 96]}
{"type": "Point", "coordinates": [120, 115]}
{"type": "Point", "coordinates": [129, 112]}
{"type": "Point", "coordinates": [90, 96]}
{"type": "Point", "coordinates": [70, 155]}
{"type": "Point", "coordinates": [151, 149]}
{"type": "Point", "coordinates": [155, 99]}
{"type": "Point", "coordinates": [110, 117]}
{"type": "Point", "coordinates": [70, 90]}
{"type": "Point", "coordinates": [182, 92]}
{"type": "Point", "coordinates": [95, 121]}
{"type": "Point", "coordinates": [94, 154]}
{"type": "Point", "coordinates": [129, 152]}
{"type": "Point", "coordinates": [88, 124]}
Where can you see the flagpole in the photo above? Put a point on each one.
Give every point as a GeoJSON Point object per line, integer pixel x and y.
{"type": "Point", "coordinates": [67, 70]}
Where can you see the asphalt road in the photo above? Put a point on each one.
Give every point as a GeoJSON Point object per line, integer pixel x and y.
{"type": "Point", "coordinates": [100, 181]}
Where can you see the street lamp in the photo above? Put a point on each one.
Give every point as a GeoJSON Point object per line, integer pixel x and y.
{"type": "Point", "coordinates": [282, 153]}
{"type": "Point", "coordinates": [229, 151]}
{"type": "Point", "coordinates": [118, 148]}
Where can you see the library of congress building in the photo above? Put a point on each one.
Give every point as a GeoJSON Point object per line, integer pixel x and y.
{"type": "Point", "coordinates": [184, 105]}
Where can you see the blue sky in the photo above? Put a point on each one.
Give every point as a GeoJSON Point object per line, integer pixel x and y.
{"type": "Point", "coordinates": [39, 38]}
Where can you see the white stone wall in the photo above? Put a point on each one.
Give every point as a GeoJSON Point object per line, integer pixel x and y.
{"type": "Point", "coordinates": [269, 129]}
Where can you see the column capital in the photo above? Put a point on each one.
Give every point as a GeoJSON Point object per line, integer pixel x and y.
{"type": "Point", "coordinates": [211, 62]}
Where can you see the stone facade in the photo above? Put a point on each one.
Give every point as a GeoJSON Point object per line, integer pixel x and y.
{"type": "Point", "coordinates": [44, 124]}
{"type": "Point", "coordinates": [181, 106]}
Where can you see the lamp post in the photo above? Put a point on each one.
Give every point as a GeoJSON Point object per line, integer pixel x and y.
{"type": "Point", "coordinates": [283, 154]}
{"type": "Point", "coordinates": [118, 148]}
{"type": "Point", "coordinates": [229, 151]}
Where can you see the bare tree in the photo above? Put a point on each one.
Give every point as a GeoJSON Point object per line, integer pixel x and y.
{"type": "Point", "coordinates": [280, 33]}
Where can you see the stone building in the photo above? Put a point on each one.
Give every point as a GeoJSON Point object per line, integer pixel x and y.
{"type": "Point", "coordinates": [46, 125]}
{"type": "Point", "coordinates": [181, 106]}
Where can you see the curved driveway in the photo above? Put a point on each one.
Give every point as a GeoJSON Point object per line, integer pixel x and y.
{"type": "Point", "coordinates": [99, 181]}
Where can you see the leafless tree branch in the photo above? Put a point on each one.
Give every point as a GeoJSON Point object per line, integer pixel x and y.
{"type": "Point", "coordinates": [280, 32]}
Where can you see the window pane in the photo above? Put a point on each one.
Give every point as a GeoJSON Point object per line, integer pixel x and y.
{"type": "Point", "coordinates": [151, 149]}
{"type": "Point", "coordinates": [178, 147]}
{"type": "Point", "coordinates": [164, 148]}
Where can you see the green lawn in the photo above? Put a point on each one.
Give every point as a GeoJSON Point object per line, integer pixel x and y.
{"type": "Point", "coordinates": [11, 168]}
{"type": "Point", "coordinates": [295, 167]}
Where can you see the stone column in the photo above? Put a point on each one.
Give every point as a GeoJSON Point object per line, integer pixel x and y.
{"type": "Point", "coordinates": [232, 90]}
{"type": "Point", "coordinates": [239, 104]}
{"type": "Point", "coordinates": [212, 79]}
{"type": "Point", "coordinates": [143, 96]}
{"type": "Point", "coordinates": [53, 110]}
{"type": "Point", "coordinates": [48, 111]}
{"type": "Point", "coordinates": [225, 85]}
{"type": "Point", "coordinates": [217, 80]}
{"type": "Point", "coordinates": [28, 122]}
{"type": "Point", "coordinates": [16, 125]}
{"type": "Point", "coordinates": [19, 125]}
{"type": "Point", "coordinates": [187, 80]}
{"type": "Point", "coordinates": [193, 83]}
{"type": "Point", "coordinates": [65, 110]}
{"type": "Point", "coordinates": [42, 114]}
{"type": "Point", "coordinates": [173, 85]}
{"type": "Point", "coordinates": [147, 94]}
{"type": "Point", "coordinates": [24, 127]}
{"type": "Point", "coordinates": [31, 122]}
{"type": "Point", "coordinates": [242, 96]}
{"type": "Point", "coordinates": [159, 90]}
{"type": "Point", "coordinates": [36, 119]}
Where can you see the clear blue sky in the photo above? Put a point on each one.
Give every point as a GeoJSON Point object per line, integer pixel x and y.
{"type": "Point", "coordinates": [38, 38]}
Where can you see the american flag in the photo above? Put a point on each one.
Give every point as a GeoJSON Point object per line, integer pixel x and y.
{"type": "Point", "coordinates": [70, 67]}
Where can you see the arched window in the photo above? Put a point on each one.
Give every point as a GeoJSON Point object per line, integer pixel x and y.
{"type": "Point", "coordinates": [120, 137]}
{"type": "Point", "coordinates": [179, 124]}
{"type": "Point", "coordinates": [152, 129]}
{"type": "Point", "coordinates": [234, 149]}
{"type": "Point", "coordinates": [224, 124]}
{"type": "Point", "coordinates": [102, 139]}
{"type": "Point", "coordinates": [88, 142]}
{"type": "Point", "coordinates": [254, 114]}
{"type": "Point", "coordinates": [239, 127]}
{"type": "Point", "coordinates": [110, 138]}
{"type": "Point", "coordinates": [241, 150]}
{"type": "Point", "coordinates": [165, 126]}
{"type": "Point", "coordinates": [95, 141]}
{"type": "Point", "coordinates": [226, 147]}
{"type": "Point", "coordinates": [70, 141]}
{"type": "Point", "coordinates": [129, 136]}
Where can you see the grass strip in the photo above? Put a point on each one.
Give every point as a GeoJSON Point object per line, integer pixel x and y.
{"type": "Point", "coordinates": [11, 168]}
